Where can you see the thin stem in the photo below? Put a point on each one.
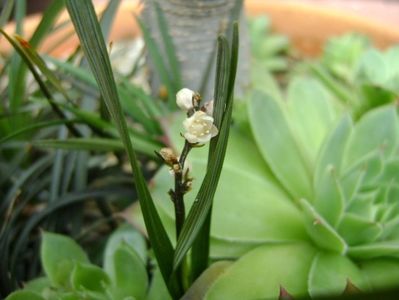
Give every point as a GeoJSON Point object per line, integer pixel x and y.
{"type": "Point", "coordinates": [180, 190]}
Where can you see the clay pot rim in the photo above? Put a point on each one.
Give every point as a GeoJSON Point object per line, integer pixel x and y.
{"type": "Point", "coordinates": [309, 38]}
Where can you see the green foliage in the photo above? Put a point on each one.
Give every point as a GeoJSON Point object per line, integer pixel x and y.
{"type": "Point", "coordinates": [70, 275]}
{"type": "Point", "coordinates": [307, 176]}
{"type": "Point", "coordinates": [59, 255]}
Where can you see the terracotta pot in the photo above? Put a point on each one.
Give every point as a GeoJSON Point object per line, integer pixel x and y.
{"type": "Point", "coordinates": [307, 25]}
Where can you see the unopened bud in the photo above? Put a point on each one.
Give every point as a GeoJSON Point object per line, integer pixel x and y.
{"type": "Point", "coordinates": [168, 156]}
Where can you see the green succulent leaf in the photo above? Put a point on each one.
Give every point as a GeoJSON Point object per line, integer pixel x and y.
{"type": "Point", "coordinates": [310, 114]}
{"type": "Point", "coordinates": [278, 145]}
{"type": "Point", "coordinates": [157, 289]}
{"type": "Point", "coordinates": [38, 285]}
{"type": "Point", "coordinates": [381, 273]}
{"type": "Point", "coordinates": [376, 131]}
{"type": "Point", "coordinates": [127, 235]}
{"type": "Point", "coordinates": [258, 209]}
{"type": "Point", "coordinates": [357, 230]}
{"type": "Point", "coordinates": [200, 287]}
{"type": "Point", "coordinates": [329, 198]}
{"type": "Point", "coordinates": [59, 255]}
{"type": "Point", "coordinates": [24, 295]}
{"type": "Point", "coordinates": [322, 233]}
{"type": "Point", "coordinates": [330, 274]}
{"type": "Point", "coordinates": [260, 273]}
{"type": "Point", "coordinates": [128, 274]}
{"type": "Point", "coordinates": [375, 250]}
{"type": "Point", "coordinates": [89, 277]}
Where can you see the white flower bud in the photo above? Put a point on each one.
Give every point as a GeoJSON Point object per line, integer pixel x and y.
{"type": "Point", "coordinates": [199, 128]}
{"type": "Point", "coordinates": [184, 99]}
{"type": "Point", "coordinates": [168, 156]}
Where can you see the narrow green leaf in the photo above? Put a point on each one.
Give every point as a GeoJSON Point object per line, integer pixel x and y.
{"type": "Point", "coordinates": [159, 62]}
{"type": "Point", "coordinates": [63, 202]}
{"type": "Point", "coordinates": [38, 125]}
{"type": "Point", "coordinates": [32, 55]}
{"type": "Point", "coordinates": [17, 71]}
{"type": "Point", "coordinates": [108, 16]}
{"type": "Point", "coordinates": [200, 249]}
{"type": "Point", "coordinates": [90, 144]}
{"type": "Point", "coordinates": [84, 19]}
{"type": "Point", "coordinates": [6, 12]}
{"type": "Point", "coordinates": [169, 47]}
{"type": "Point", "coordinates": [203, 202]}
{"type": "Point", "coordinates": [46, 22]}
{"type": "Point", "coordinates": [21, 47]}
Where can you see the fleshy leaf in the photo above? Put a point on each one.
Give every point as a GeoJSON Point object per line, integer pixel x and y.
{"type": "Point", "coordinates": [128, 275]}
{"type": "Point", "coordinates": [310, 114]}
{"type": "Point", "coordinates": [322, 233]}
{"type": "Point", "coordinates": [260, 273]}
{"type": "Point", "coordinates": [158, 289]}
{"type": "Point", "coordinates": [89, 277]}
{"type": "Point", "coordinates": [278, 146]}
{"type": "Point", "coordinates": [129, 236]}
{"type": "Point", "coordinates": [37, 285]}
{"type": "Point", "coordinates": [200, 287]}
{"type": "Point", "coordinates": [24, 295]}
{"type": "Point", "coordinates": [330, 274]}
{"type": "Point", "coordinates": [357, 230]}
{"type": "Point", "coordinates": [329, 198]}
{"type": "Point", "coordinates": [381, 273]}
{"type": "Point", "coordinates": [381, 249]}
{"type": "Point", "coordinates": [376, 130]}
{"type": "Point", "coordinates": [59, 255]}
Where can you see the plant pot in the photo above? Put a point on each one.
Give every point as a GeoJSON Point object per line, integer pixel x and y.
{"type": "Point", "coordinates": [307, 25]}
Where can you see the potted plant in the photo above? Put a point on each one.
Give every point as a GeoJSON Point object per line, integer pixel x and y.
{"type": "Point", "coordinates": [305, 204]}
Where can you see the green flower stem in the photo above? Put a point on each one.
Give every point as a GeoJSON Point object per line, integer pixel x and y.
{"type": "Point", "coordinates": [180, 190]}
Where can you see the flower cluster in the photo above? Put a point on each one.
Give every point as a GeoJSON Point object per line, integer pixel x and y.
{"type": "Point", "coordinates": [199, 123]}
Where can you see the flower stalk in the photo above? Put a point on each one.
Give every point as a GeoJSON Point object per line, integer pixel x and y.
{"type": "Point", "coordinates": [182, 186]}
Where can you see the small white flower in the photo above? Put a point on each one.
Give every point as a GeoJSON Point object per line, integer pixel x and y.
{"type": "Point", "coordinates": [199, 128]}
{"type": "Point", "coordinates": [184, 99]}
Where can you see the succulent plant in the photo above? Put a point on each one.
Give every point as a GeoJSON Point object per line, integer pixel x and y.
{"type": "Point", "coordinates": [70, 275]}
{"type": "Point", "coordinates": [307, 199]}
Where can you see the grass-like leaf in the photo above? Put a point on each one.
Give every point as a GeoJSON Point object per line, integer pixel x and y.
{"type": "Point", "coordinates": [6, 12]}
{"type": "Point", "coordinates": [169, 46]}
{"type": "Point", "coordinates": [200, 248]}
{"type": "Point", "coordinates": [158, 62]}
{"type": "Point", "coordinates": [203, 202]}
{"type": "Point", "coordinates": [32, 127]}
{"type": "Point", "coordinates": [86, 24]}
{"type": "Point", "coordinates": [46, 22]}
{"type": "Point", "coordinates": [91, 144]}
{"type": "Point", "coordinates": [21, 47]}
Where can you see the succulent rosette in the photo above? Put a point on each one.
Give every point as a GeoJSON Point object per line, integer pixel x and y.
{"type": "Point", "coordinates": [307, 201]}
